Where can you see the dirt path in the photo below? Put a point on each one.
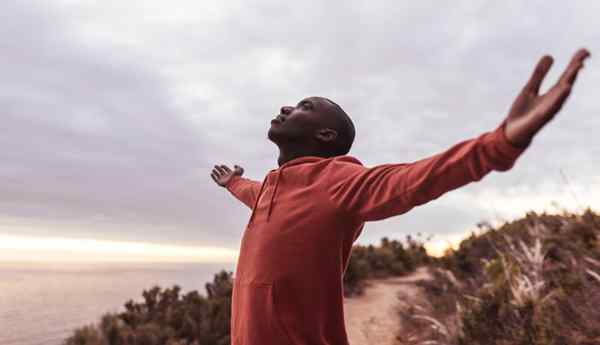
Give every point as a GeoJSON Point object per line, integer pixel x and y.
{"type": "Point", "coordinates": [373, 318]}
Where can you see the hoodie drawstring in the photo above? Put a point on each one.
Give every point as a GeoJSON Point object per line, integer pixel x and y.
{"type": "Point", "coordinates": [274, 192]}
{"type": "Point", "coordinates": [257, 198]}
{"type": "Point", "coordinates": [272, 196]}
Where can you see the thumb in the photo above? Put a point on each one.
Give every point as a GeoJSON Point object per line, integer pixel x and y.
{"type": "Point", "coordinates": [238, 169]}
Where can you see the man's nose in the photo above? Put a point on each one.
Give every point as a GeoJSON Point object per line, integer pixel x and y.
{"type": "Point", "coordinates": [286, 110]}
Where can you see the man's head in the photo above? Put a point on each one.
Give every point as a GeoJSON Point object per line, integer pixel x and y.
{"type": "Point", "coordinates": [316, 123]}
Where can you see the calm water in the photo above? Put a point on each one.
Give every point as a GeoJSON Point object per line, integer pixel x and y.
{"type": "Point", "coordinates": [43, 304]}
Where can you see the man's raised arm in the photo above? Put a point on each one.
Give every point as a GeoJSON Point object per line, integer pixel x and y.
{"type": "Point", "coordinates": [387, 190]}
{"type": "Point", "coordinates": [243, 189]}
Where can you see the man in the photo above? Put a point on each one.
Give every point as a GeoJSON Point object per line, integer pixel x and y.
{"type": "Point", "coordinates": [307, 213]}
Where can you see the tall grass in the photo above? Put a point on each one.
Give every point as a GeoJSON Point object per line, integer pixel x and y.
{"type": "Point", "coordinates": [531, 281]}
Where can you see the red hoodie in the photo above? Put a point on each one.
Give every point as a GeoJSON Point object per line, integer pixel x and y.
{"type": "Point", "coordinates": [305, 217]}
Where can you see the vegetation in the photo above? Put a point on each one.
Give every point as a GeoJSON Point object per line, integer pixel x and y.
{"type": "Point", "coordinates": [390, 258]}
{"type": "Point", "coordinates": [166, 317]}
{"type": "Point", "coordinates": [535, 280]}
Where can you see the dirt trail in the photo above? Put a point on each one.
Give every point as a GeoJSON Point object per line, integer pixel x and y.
{"type": "Point", "coordinates": [373, 318]}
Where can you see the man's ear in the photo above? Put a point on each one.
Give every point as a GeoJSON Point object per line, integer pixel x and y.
{"type": "Point", "coordinates": [326, 134]}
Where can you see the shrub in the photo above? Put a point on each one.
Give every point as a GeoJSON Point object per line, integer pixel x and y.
{"type": "Point", "coordinates": [532, 281]}
{"type": "Point", "coordinates": [167, 317]}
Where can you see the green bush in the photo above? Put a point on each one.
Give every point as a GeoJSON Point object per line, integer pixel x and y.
{"type": "Point", "coordinates": [167, 317]}
{"type": "Point", "coordinates": [390, 258]}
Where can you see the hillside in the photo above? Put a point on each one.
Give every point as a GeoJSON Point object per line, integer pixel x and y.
{"type": "Point", "coordinates": [535, 280]}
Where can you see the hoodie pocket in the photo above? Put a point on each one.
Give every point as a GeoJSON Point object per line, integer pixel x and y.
{"type": "Point", "coordinates": [254, 318]}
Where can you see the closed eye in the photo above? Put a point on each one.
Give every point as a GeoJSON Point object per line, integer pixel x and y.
{"type": "Point", "coordinates": [306, 105]}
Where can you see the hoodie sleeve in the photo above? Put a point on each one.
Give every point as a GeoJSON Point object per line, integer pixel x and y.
{"type": "Point", "coordinates": [388, 190]}
{"type": "Point", "coordinates": [244, 189]}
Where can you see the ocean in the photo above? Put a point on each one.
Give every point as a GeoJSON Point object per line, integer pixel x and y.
{"type": "Point", "coordinates": [41, 304]}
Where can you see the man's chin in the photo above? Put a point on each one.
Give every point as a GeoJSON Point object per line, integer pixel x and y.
{"type": "Point", "coordinates": [278, 137]}
{"type": "Point", "coordinates": [272, 135]}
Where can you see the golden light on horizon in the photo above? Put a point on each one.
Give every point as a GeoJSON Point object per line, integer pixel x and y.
{"type": "Point", "coordinates": [437, 247]}
{"type": "Point", "coordinates": [41, 249]}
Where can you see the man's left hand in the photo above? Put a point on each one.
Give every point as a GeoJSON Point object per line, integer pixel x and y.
{"type": "Point", "coordinates": [531, 111]}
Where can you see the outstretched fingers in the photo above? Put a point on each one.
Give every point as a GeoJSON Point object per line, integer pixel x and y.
{"type": "Point", "coordinates": [217, 173]}
{"type": "Point", "coordinates": [570, 74]}
{"type": "Point", "coordinates": [213, 175]}
{"type": "Point", "coordinates": [539, 73]}
{"type": "Point", "coordinates": [220, 169]}
{"type": "Point", "coordinates": [562, 96]}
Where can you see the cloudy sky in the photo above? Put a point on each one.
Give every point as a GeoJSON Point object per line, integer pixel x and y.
{"type": "Point", "coordinates": [114, 112]}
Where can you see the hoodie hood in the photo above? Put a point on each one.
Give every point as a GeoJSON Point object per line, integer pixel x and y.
{"type": "Point", "coordinates": [294, 162]}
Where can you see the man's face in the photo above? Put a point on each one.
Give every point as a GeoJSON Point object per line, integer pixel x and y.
{"type": "Point", "coordinates": [301, 122]}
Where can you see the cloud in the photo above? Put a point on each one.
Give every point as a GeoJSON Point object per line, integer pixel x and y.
{"type": "Point", "coordinates": [114, 113]}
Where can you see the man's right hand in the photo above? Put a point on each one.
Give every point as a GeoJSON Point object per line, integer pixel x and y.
{"type": "Point", "coordinates": [221, 174]}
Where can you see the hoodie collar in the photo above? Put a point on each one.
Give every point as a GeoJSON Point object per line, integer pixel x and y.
{"type": "Point", "coordinates": [299, 160]}
{"type": "Point", "coordinates": [278, 173]}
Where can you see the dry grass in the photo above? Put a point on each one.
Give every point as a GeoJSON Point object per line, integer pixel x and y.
{"type": "Point", "coordinates": [532, 281]}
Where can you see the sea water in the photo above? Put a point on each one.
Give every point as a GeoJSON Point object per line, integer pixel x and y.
{"type": "Point", "coordinates": [44, 303]}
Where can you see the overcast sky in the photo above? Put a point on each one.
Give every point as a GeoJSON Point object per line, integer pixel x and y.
{"type": "Point", "coordinates": [114, 112]}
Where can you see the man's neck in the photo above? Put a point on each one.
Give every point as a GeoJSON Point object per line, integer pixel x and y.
{"type": "Point", "coordinates": [287, 154]}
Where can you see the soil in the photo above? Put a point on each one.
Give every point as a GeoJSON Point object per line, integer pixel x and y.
{"type": "Point", "coordinates": [372, 318]}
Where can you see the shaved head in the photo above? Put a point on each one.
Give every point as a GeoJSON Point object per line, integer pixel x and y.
{"type": "Point", "coordinates": [316, 126]}
{"type": "Point", "coordinates": [342, 124]}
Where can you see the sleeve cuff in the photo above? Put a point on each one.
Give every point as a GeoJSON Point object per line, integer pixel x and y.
{"type": "Point", "coordinates": [235, 179]}
{"type": "Point", "coordinates": [506, 147]}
